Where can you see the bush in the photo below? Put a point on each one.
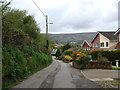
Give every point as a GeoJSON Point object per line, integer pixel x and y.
{"type": "Point", "coordinates": [82, 62]}
{"type": "Point", "coordinates": [17, 64]}
{"type": "Point", "coordinates": [77, 55]}
{"type": "Point", "coordinates": [110, 55]}
{"type": "Point", "coordinates": [58, 53]}
{"type": "Point", "coordinates": [68, 52]}
{"type": "Point", "coordinates": [67, 58]}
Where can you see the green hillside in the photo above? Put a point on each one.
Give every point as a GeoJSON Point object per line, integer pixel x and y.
{"type": "Point", "coordinates": [76, 37]}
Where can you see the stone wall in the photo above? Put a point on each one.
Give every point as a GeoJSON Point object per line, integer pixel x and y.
{"type": "Point", "coordinates": [99, 65]}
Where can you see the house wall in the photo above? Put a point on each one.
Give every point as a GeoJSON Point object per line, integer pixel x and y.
{"type": "Point", "coordinates": [112, 43]}
{"type": "Point", "coordinates": [86, 46]}
{"type": "Point", "coordinates": [96, 41]}
{"type": "Point", "coordinates": [119, 37]}
{"type": "Point", "coordinates": [103, 39]}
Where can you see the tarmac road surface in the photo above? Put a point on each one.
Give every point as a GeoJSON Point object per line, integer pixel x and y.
{"type": "Point", "coordinates": [57, 75]}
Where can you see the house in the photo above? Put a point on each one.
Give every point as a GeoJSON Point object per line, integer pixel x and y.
{"type": "Point", "coordinates": [53, 52]}
{"type": "Point", "coordinates": [104, 40]}
{"type": "Point", "coordinates": [86, 45]}
{"type": "Point", "coordinates": [117, 33]}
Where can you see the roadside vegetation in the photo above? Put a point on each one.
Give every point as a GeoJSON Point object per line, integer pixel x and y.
{"type": "Point", "coordinates": [81, 59]}
{"type": "Point", "coordinates": [24, 47]}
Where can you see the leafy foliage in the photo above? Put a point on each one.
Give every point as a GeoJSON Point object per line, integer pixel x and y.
{"type": "Point", "coordinates": [17, 64]}
{"type": "Point", "coordinates": [24, 48]}
{"type": "Point", "coordinates": [110, 55]}
{"type": "Point", "coordinates": [66, 47]}
{"type": "Point", "coordinates": [58, 53]}
{"type": "Point", "coordinates": [68, 52]}
{"type": "Point", "coordinates": [68, 57]}
{"type": "Point", "coordinates": [20, 29]}
{"type": "Point", "coordinates": [82, 62]}
{"type": "Point", "coordinates": [77, 55]}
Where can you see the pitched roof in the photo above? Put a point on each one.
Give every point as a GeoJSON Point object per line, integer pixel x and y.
{"type": "Point", "coordinates": [88, 42]}
{"type": "Point", "coordinates": [109, 35]}
{"type": "Point", "coordinates": [94, 37]}
{"type": "Point", "coordinates": [118, 31]}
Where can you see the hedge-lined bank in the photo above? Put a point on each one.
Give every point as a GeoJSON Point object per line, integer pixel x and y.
{"type": "Point", "coordinates": [24, 47]}
{"type": "Point", "coordinates": [110, 55]}
{"type": "Point", "coordinates": [18, 64]}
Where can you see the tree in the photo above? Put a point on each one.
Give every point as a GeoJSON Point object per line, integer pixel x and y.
{"type": "Point", "coordinates": [66, 47]}
{"type": "Point", "coordinates": [58, 53]}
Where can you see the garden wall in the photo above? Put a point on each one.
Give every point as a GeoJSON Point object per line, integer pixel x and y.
{"type": "Point", "coordinates": [99, 65]}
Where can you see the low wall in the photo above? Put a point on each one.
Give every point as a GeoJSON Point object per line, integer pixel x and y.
{"type": "Point", "coordinates": [75, 65]}
{"type": "Point", "coordinates": [99, 65]}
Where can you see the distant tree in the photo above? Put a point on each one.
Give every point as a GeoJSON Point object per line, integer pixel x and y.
{"type": "Point", "coordinates": [66, 47]}
{"type": "Point", "coordinates": [58, 53]}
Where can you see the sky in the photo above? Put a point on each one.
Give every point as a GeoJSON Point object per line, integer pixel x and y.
{"type": "Point", "coordinates": [73, 16]}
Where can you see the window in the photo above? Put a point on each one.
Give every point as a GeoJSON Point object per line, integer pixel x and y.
{"type": "Point", "coordinates": [97, 44]}
{"type": "Point", "coordinates": [102, 44]}
{"type": "Point", "coordinates": [106, 44]}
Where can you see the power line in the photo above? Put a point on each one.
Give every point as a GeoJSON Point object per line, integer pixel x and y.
{"type": "Point", "coordinates": [38, 8]}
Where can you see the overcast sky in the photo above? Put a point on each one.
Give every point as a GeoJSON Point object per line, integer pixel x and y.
{"type": "Point", "coordinates": [73, 16]}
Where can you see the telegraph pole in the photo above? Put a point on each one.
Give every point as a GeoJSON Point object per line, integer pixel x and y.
{"type": "Point", "coordinates": [47, 42]}
{"type": "Point", "coordinates": [46, 17]}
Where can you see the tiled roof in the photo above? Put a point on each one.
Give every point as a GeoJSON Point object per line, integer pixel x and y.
{"type": "Point", "coordinates": [89, 42]}
{"type": "Point", "coordinates": [118, 31]}
{"type": "Point", "coordinates": [109, 35]}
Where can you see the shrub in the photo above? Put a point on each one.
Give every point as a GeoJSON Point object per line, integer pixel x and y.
{"type": "Point", "coordinates": [84, 51]}
{"type": "Point", "coordinates": [110, 55]}
{"type": "Point", "coordinates": [82, 62]}
{"type": "Point", "coordinates": [17, 64]}
{"type": "Point", "coordinates": [68, 52]}
{"type": "Point", "coordinates": [68, 57]}
{"type": "Point", "coordinates": [77, 55]}
{"type": "Point", "coordinates": [58, 53]}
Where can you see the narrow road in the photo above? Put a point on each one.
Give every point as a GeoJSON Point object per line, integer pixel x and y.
{"type": "Point", "coordinates": [57, 75]}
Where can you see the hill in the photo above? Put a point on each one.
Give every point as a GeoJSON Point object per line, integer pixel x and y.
{"type": "Point", "coordinates": [76, 37]}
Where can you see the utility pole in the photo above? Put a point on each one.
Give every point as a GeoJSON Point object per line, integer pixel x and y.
{"type": "Point", "coordinates": [47, 42]}
{"type": "Point", "coordinates": [46, 17]}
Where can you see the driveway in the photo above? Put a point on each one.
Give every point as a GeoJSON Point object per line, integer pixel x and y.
{"type": "Point", "coordinates": [57, 75]}
{"type": "Point", "coordinates": [100, 74]}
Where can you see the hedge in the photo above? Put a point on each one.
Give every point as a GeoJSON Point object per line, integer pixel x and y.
{"type": "Point", "coordinates": [110, 55]}
{"type": "Point", "coordinates": [18, 64]}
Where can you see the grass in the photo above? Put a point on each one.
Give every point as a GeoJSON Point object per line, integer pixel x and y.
{"type": "Point", "coordinates": [115, 68]}
{"type": "Point", "coordinates": [116, 78]}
